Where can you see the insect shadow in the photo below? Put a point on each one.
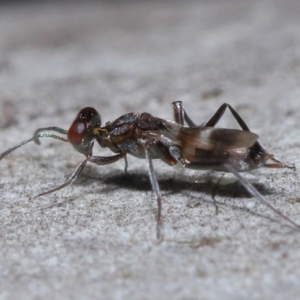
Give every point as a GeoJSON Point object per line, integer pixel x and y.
{"type": "Point", "coordinates": [208, 189]}
{"type": "Point", "coordinates": [140, 182]}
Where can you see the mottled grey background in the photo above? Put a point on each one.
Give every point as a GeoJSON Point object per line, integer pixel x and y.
{"type": "Point", "coordinates": [96, 239]}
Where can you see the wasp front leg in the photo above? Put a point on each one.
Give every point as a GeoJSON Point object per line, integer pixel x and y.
{"type": "Point", "coordinates": [99, 160]}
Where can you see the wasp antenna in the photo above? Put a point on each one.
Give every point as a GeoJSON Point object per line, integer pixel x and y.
{"type": "Point", "coordinates": [52, 128]}
{"type": "Point", "coordinates": [256, 194]}
{"type": "Point", "coordinates": [34, 138]}
{"type": "Point", "coordinates": [11, 149]}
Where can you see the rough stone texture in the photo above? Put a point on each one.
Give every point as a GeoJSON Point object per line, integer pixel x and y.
{"type": "Point", "coordinates": [96, 239]}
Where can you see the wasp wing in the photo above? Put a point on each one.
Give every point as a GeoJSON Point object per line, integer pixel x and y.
{"type": "Point", "coordinates": [210, 138]}
{"type": "Point", "coordinates": [206, 138]}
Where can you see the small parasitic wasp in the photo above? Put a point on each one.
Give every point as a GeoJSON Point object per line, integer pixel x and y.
{"type": "Point", "coordinates": [142, 135]}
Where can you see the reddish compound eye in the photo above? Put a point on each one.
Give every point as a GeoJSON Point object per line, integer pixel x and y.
{"type": "Point", "coordinates": [77, 132]}
{"type": "Point", "coordinates": [81, 132]}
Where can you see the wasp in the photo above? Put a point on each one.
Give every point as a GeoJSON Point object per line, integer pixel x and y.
{"type": "Point", "coordinates": [198, 147]}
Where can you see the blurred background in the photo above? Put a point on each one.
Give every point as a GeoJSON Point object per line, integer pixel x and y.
{"type": "Point", "coordinates": [146, 54]}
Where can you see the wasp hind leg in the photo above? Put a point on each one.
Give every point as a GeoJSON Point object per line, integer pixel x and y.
{"type": "Point", "coordinates": [180, 115]}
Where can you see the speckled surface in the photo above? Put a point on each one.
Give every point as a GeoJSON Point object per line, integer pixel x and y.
{"type": "Point", "coordinates": [96, 239]}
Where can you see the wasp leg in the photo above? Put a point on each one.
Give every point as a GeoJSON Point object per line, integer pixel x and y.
{"type": "Point", "coordinates": [219, 113]}
{"type": "Point", "coordinates": [178, 112]}
{"type": "Point", "coordinates": [106, 160]}
{"type": "Point", "coordinates": [156, 191]}
{"type": "Point", "coordinates": [250, 188]}
{"type": "Point", "coordinates": [214, 192]}
{"type": "Point", "coordinates": [99, 160]}
{"type": "Point", "coordinates": [126, 165]}
{"type": "Point", "coordinates": [180, 115]}
{"type": "Point", "coordinates": [256, 194]}
{"type": "Point", "coordinates": [71, 179]}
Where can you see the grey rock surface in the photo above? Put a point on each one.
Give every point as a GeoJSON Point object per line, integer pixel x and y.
{"type": "Point", "coordinates": [96, 239]}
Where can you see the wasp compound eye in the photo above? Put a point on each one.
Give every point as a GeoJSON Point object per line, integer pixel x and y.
{"type": "Point", "coordinates": [81, 132]}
